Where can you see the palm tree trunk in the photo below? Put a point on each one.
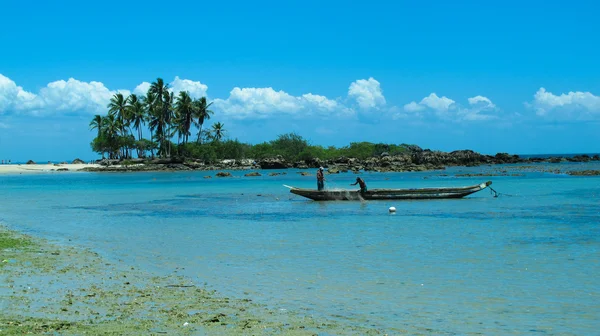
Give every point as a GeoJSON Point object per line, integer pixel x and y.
{"type": "Point", "coordinates": [200, 134]}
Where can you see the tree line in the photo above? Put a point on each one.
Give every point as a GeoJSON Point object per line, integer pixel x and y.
{"type": "Point", "coordinates": [168, 116]}
{"type": "Point", "coordinates": [164, 114]}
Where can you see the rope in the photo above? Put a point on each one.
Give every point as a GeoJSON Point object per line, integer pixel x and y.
{"type": "Point", "coordinates": [496, 194]}
{"type": "Point", "coordinates": [493, 192]}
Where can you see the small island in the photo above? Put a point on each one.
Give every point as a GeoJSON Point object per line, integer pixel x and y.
{"type": "Point", "coordinates": [121, 143]}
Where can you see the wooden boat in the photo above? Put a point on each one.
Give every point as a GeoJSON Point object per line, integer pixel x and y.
{"type": "Point", "coordinates": [389, 194]}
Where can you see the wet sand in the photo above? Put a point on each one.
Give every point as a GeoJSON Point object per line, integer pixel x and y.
{"type": "Point", "coordinates": [49, 288]}
{"type": "Point", "coordinates": [42, 168]}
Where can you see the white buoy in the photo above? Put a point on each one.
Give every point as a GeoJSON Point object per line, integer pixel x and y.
{"type": "Point", "coordinates": [392, 209]}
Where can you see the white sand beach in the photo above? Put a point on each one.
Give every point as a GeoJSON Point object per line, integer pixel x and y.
{"type": "Point", "coordinates": [7, 169]}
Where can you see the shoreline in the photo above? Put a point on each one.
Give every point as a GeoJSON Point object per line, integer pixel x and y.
{"type": "Point", "coordinates": [17, 169]}
{"type": "Point", "coordinates": [223, 169]}
{"type": "Point", "coordinates": [48, 288]}
{"type": "Point", "coordinates": [414, 161]}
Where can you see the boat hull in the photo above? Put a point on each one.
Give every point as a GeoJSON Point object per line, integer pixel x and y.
{"type": "Point", "coordinates": [389, 194]}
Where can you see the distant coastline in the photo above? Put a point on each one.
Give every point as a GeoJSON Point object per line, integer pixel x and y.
{"type": "Point", "coordinates": [412, 160]}
{"type": "Point", "coordinates": [523, 156]}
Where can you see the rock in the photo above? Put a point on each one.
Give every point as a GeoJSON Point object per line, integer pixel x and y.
{"type": "Point", "coordinates": [413, 148]}
{"type": "Point", "coordinates": [305, 173]}
{"type": "Point", "coordinates": [314, 163]}
{"type": "Point", "coordinates": [333, 170]}
{"type": "Point", "coordinates": [274, 174]}
{"type": "Point", "coordinates": [342, 159]}
{"type": "Point", "coordinates": [506, 158]}
{"type": "Point", "coordinates": [78, 161]}
{"type": "Point", "coordinates": [207, 177]}
{"type": "Point", "coordinates": [62, 169]}
{"type": "Point", "coordinates": [223, 174]}
{"type": "Point", "coordinates": [253, 174]}
{"type": "Point", "coordinates": [580, 158]}
{"type": "Point", "coordinates": [30, 162]}
{"type": "Point", "coordinates": [301, 165]}
{"type": "Point", "coordinates": [277, 162]}
{"type": "Point", "coordinates": [585, 173]}
{"type": "Point", "coordinates": [194, 165]}
{"type": "Point", "coordinates": [555, 160]}
{"type": "Point", "coordinates": [167, 160]}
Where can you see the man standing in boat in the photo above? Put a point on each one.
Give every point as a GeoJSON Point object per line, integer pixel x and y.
{"type": "Point", "coordinates": [362, 184]}
{"type": "Point", "coordinates": [320, 179]}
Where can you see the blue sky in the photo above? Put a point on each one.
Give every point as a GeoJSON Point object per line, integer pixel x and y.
{"type": "Point", "coordinates": [519, 77]}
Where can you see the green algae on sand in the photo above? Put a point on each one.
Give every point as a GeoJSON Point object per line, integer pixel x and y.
{"type": "Point", "coordinates": [51, 289]}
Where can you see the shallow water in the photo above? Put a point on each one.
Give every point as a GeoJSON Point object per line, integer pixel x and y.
{"type": "Point", "coordinates": [525, 262]}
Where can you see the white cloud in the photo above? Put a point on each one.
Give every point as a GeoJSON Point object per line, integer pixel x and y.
{"type": "Point", "coordinates": [70, 96]}
{"type": "Point", "coordinates": [263, 102]}
{"type": "Point", "coordinates": [481, 101]}
{"type": "Point", "coordinates": [142, 89]}
{"type": "Point", "coordinates": [73, 96]}
{"type": "Point", "coordinates": [573, 105]}
{"type": "Point", "coordinates": [445, 108]}
{"type": "Point", "coordinates": [2, 125]}
{"type": "Point", "coordinates": [196, 89]}
{"type": "Point", "coordinates": [321, 102]}
{"type": "Point", "coordinates": [413, 107]}
{"type": "Point", "coordinates": [367, 92]}
{"type": "Point", "coordinates": [438, 104]}
{"type": "Point", "coordinates": [12, 96]}
{"type": "Point", "coordinates": [481, 108]}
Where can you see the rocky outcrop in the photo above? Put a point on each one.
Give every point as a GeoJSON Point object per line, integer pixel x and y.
{"type": "Point", "coordinates": [253, 174]}
{"type": "Point", "coordinates": [30, 162]}
{"type": "Point", "coordinates": [333, 170]}
{"type": "Point", "coordinates": [277, 162]}
{"type": "Point", "coordinates": [585, 173]}
{"type": "Point", "coordinates": [415, 159]}
{"type": "Point", "coordinates": [223, 174]}
{"type": "Point", "coordinates": [78, 161]}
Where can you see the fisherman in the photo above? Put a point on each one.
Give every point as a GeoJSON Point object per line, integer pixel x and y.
{"type": "Point", "coordinates": [362, 184]}
{"type": "Point", "coordinates": [320, 179]}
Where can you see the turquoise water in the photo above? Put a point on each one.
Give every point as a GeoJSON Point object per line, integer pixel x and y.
{"type": "Point", "coordinates": [526, 262]}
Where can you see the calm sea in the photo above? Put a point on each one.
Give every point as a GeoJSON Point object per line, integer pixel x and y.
{"type": "Point", "coordinates": [526, 262]}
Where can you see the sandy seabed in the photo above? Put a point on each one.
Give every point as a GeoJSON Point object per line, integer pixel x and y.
{"type": "Point", "coordinates": [55, 289]}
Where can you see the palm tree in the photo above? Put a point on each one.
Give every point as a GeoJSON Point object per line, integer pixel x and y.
{"type": "Point", "coordinates": [157, 127]}
{"type": "Point", "coordinates": [160, 115]}
{"type": "Point", "coordinates": [111, 127]}
{"type": "Point", "coordinates": [185, 112]}
{"type": "Point", "coordinates": [201, 113]}
{"type": "Point", "coordinates": [136, 113]}
{"type": "Point", "coordinates": [158, 89]}
{"type": "Point", "coordinates": [118, 108]}
{"type": "Point", "coordinates": [167, 115]}
{"type": "Point", "coordinates": [218, 131]}
{"type": "Point", "coordinates": [148, 102]}
{"type": "Point", "coordinates": [96, 123]}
